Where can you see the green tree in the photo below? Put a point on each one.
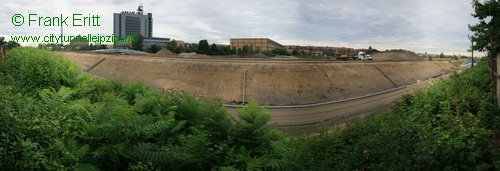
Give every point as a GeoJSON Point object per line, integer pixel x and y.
{"type": "Point", "coordinates": [154, 48]}
{"type": "Point", "coordinates": [2, 41]}
{"type": "Point", "coordinates": [226, 50]}
{"type": "Point", "coordinates": [139, 43]}
{"type": "Point", "coordinates": [234, 50]}
{"type": "Point", "coordinates": [8, 45]}
{"type": "Point", "coordinates": [180, 49]}
{"type": "Point", "coordinates": [172, 46]}
{"type": "Point", "coordinates": [441, 55]}
{"type": "Point", "coordinates": [246, 49]}
{"type": "Point", "coordinates": [203, 47]}
{"type": "Point", "coordinates": [214, 50]}
{"type": "Point", "coordinates": [484, 30]}
{"type": "Point", "coordinates": [12, 44]}
{"type": "Point", "coordinates": [280, 51]}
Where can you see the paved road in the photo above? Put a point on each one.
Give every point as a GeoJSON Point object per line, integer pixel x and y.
{"type": "Point", "coordinates": [335, 113]}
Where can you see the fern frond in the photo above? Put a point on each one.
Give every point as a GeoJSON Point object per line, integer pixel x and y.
{"type": "Point", "coordinates": [228, 168]}
{"type": "Point", "coordinates": [99, 153]}
{"type": "Point", "coordinates": [254, 165]}
{"type": "Point", "coordinates": [86, 167]}
{"type": "Point", "coordinates": [178, 127]}
{"type": "Point", "coordinates": [65, 93]}
{"type": "Point", "coordinates": [81, 152]}
{"type": "Point", "coordinates": [150, 152]}
{"type": "Point", "coordinates": [155, 128]}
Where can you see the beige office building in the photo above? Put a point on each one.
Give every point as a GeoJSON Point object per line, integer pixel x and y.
{"type": "Point", "coordinates": [257, 44]}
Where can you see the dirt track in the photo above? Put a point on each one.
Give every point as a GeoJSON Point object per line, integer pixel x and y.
{"type": "Point", "coordinates": [273, 81]}
{"type": "Point", "coordinates": [332, 115]}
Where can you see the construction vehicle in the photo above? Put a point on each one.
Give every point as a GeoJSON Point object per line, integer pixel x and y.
{"type": "Point", "coordinates": [341, 56]}
{"type": "Point", "coordinates": [360, 56]}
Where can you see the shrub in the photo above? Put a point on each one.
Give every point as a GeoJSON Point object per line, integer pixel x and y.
{"type": "Point", "coordinates": [33, 69]}
{"type": "Point", "coordinates": [449, 126]}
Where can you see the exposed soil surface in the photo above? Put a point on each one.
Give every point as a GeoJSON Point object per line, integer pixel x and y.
{"type": "Point", "coordinates": [397, 55]}
{"type": "Point", "coordinates": [277, 82]}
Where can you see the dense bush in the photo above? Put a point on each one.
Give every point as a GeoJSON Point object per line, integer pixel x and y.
{"type": "Point", "coordinates": [449, 126]}
{"type": "Point", "coordinates": [56, 118]}
{"type": "Point", "coordinates": [31, 69]}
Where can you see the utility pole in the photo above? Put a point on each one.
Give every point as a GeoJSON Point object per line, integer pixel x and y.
{"type": "Point", "coordinates": [472, 51]}
{"type": "Point", "coordinates": [61, 36]}
{"type": "Point", "coordinates": [244, 84]}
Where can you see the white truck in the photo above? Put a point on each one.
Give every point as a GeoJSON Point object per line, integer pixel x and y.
{"type": "Point", "coordinates": [361, 56]}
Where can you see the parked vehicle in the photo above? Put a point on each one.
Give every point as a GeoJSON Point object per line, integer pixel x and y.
{"type": "Point", "coordinates": [368, 57]}
{"type": "Point", "coordinates": [361, 56]}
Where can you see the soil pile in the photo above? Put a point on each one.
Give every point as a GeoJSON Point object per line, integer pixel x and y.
{"type": "Point", "coordinates": [164, 52]}
{"type": "Point", "coordinates": [397, 55]}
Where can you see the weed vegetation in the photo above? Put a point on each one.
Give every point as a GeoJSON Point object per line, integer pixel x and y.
{"type": "Point", "coordinates": [53, 116]}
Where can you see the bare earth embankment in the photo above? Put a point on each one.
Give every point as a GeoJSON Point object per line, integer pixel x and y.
{"type": "Point", "coordinates": [275, 82]}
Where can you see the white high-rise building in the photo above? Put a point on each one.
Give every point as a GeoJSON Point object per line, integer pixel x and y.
{"type": "Point", "coordinates": [132, 23]}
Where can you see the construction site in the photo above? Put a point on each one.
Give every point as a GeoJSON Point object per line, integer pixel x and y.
{"type": "Point", "coordinates": [308, 88]}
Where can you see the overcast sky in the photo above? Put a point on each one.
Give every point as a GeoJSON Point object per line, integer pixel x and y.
{"type": "Point", "coordinates": [431, 26]}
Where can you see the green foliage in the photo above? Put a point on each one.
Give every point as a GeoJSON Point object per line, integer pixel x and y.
{"type": "Point", "coordinates": [214, 50]}
{"type": "Point", "coordinates": [153, 48]}
{"type": "Point", "coordinates": [234, 50]}
{"type": "Point", "coordinates": [203, 47]}
{"type": "Point", "coordinates": [33, 69]}
{"type": "Point", "coordinates": [485, 30]}
{"type": "Point", "coordinates": [8, 45]}
{"type": "Point", "coordinates": [140, 166]}
{"type": "Point", "coordinates": [246, 49]}
{"type": "Point", "coordinates": [79, 122]}
{"type": "Point", "coordinates": [441, 55]}
{"type": "Point", "coordinates": [137, 44]}
{"type": "Point", "coordinates": [278, 51]}
{"type": "Point", "coordinates": [172, 46]}
{"type": "Point", "coordinates": [449, 126]}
